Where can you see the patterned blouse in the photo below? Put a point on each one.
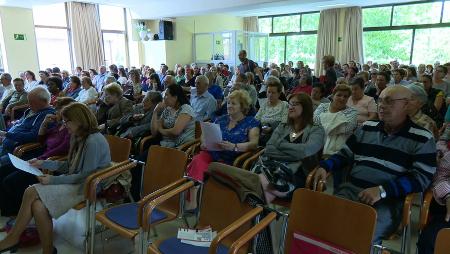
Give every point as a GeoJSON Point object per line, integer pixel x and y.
{"type": "Point", "coordinates": [272, 116]}
{"type": "Point", "coordinates": [238, 134]}
{"type": "Point", "coordinates": [169, 118]}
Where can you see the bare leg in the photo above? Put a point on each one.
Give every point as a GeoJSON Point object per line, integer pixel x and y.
{"type": "Point", "coordinates": [23, 218]}
{"type": "Point", "coordinates": [265, 185]}
{"type": "Point", "coordinates": [44, 225]}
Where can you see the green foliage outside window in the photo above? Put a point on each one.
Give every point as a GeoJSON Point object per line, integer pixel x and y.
{"type": "Point", "coordinates": [375, 17]}
{"type": "Point", "coordinates": [302, 48]}
{"type": "Point", "coordinates": [310, 22]}
{"type": "Point", "coordinates": [276, 49]}
{"type": "Point", "coordinates": [415, 14]}
{"type": "Point", "coordinates": [384, 46]}
{"type": "Point", "coordinates": [286, 24]}
{"type": "Point", "coordinates": [265, 25]}
{"type": "Point", "coordinates": [430, 45]}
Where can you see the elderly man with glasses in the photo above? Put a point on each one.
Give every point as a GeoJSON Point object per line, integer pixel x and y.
{"type": "Point", "coordinates": [389, 159]}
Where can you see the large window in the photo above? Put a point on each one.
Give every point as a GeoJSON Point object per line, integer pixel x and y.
{"type": "Point", "coordinates": [409, 32]}
{"type": "Point", "coordinates": [114, 31]}
{"type": "Point", "coordinates": [293, 37]}
{"type": "Point", "coordinates": [52, 36]}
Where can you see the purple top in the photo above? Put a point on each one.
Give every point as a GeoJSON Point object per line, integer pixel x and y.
{"type": "Point", "coordinates": [56, 141]}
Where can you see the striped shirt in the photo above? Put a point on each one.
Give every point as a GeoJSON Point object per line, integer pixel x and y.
{"type": "Point", "coordinates": [402, 163]}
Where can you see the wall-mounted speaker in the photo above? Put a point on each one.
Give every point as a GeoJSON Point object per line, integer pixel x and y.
{"type": "Point", "coordinates": [165, 30]}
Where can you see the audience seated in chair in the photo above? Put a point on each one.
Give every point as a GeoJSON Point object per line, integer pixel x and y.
{"type": "Point", "coordinates": [366, 106]}
{"type": "Point", "coordinates": [203, 103]}
{"type": "Point", "coordinates": [55, 87]}
{"type": "Point", "coordinates": [55, 195]}
{"type": "Point", "coordinates": [389, 159]}
{"type": "Point", "coordinates": [55, 138]}
{"type": "Point", "coordinates": [7, 88]}
{"type": "Point", "coordinates": [138, 123]}
{"type": "Point", "coordinates": [418, 99]}
{"type": "Point", "coordinates": [337, 119]}
{"type": "Point", "coordinates": [88, 95]}
{"type": "Point", "coordinates": [240, 133]}
{"type": "Point", "coordinates": [26, 129]}
{"type": "Point", "coordinates": [440, 205]}
{"type": "Point", "coordinates": [318, 95]}
{"type": "Point", "coordinates": [292, 151]}
{"type": "Point", "coordinates": [112, 108]}
{"type": "Point", "coordinates": [435, 106]}
{"type": "Point", "coordinates": [30, 81]}
{"type": "Point", "coordinates": [16, 98]}
{"type": "Point", "coordinates": [273, 111]}
{"type": "Point", "coordinates": [73, 88]}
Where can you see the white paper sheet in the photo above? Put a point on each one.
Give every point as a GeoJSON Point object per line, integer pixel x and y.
{"type": "Point", "coordinates": [211, 136]}
{"type": "Point", "coordinates": [24, 165]}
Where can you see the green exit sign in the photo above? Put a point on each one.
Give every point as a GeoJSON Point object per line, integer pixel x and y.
{"type": "Point", "coordinates": [19, 37]}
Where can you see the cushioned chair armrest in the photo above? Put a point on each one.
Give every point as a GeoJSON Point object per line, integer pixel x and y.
{"type": "Point", "coordinates": [160, 192]}
{"type": "Point", "coordinates": [184, 147]}
{"type": "Point", "coordinates": [106, 173]}
{"type": "Point", "coordinates": [20, 150]}
{"type": "Point", "coordinates": [144, 140]}
{"type": "Point", "coordinates": [144, 218]}
{"type": "Point", "coordinates": [406, 214]}
{"type": "Point", "coordinates": [224, 233]}
{"type": "Point", "coordinates": [251, 160]}
{"type": "Point", "coordinates": [250, 234]}
{"type": "Point", "coordinates": [423, 219]}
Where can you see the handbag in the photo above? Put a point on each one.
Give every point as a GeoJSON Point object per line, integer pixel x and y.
{"type": "Point", "coordinates": [277, 174]}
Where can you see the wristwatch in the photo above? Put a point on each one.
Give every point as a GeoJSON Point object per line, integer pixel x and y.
{"type": "Point", "coordinates": [382, 192]}
{"type": "Point", "coordinates": [235, 148]}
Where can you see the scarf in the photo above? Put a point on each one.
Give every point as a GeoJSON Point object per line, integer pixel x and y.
{"type": "Point", "coordinates": [77, 145]}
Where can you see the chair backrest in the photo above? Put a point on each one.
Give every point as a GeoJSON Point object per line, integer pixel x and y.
{"type": "Point", "coordinates": [442, 245]}
{"type": "Point", "coordinates": [221, 206]}
{"type": "Point", "coordinates": [164, 166]}
{"type": "Point", "coordinates": [345, 223]}
{"type": "Point", "coordinates": [119, 148]}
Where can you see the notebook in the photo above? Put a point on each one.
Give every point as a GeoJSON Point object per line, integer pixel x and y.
{"type": "Point", "coordinates": [307, 244]}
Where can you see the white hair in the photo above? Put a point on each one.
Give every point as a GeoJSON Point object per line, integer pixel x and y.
{"type": "Point", "coordinates": [41, 93]}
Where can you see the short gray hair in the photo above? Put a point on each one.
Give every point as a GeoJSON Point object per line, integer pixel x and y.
{"type": "Point", "coordinates": [42, 93]}
{"type": "Point", "coordinates": [418, 91]}
{"type": "Point", "coordinates": [203, 79]}
{"type": "Point", "coordinates": [6, 76]}
{"type": "Point", "coordinates": [153, 96]}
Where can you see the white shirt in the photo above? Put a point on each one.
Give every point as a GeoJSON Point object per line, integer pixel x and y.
{"type": "Point", "coordinates": [7, 91]}
{"type": "Point", "coordinates": [30, 85]}
{"type": "Point", "coordinates": [87, 95]}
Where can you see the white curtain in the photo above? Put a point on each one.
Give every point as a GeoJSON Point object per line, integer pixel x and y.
{"type": "Point", "coordinates": [251, 24]}
{"type": "Point", "coordinates": [86, 35]}
{"type": "Point", "coordinates": [327, 37]}
{"type": "Point", "coordinates": [352, 44]}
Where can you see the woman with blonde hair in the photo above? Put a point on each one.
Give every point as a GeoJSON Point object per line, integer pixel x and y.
{"type": "Point", "coordinates": [240, 133]}
{"type": "Point", "coordinates": [55, 195]}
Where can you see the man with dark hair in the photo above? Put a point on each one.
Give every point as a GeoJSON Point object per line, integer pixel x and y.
{"type": "Point", "coordinates": [381, 83]}
{"type": "Point", "coordinates": [246, 65]}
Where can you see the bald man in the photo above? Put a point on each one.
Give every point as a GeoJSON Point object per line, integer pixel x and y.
{"type": "Point", "coordinates": [389, 158]}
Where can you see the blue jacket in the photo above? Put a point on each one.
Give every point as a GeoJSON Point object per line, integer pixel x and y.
{"type": "Point", "coordinates": [26, 129]}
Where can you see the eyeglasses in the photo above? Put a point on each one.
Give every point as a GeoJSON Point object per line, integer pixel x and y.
{"type": "Point", "coordinates": [389, 101]}
{"type": "Point", "coordinates": [294, 103]}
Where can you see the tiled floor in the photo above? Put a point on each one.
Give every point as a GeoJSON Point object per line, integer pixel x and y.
{"type": "Point", "coordinates": [107, 242]}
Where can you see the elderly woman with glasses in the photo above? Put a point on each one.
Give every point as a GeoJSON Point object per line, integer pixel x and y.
{"type": "Point", "coordinates": [418, 99]}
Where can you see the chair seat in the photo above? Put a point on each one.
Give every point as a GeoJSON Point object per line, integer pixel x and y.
{"type": "Point", "coordinates": [126, 215]}
{"type": "Point", "coordinates": [175, 246]}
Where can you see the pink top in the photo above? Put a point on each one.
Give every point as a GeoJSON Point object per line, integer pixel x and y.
{"type": "Point", "coordinates": [364, 106]}
{"type": "Point", "coordinates": [57, 142]}
{"type": "Point", "coordinates": [441, 181]}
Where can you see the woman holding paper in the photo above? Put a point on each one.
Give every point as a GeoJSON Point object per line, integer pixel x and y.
{"type": "Point", "coordinates": [55, 137]}
{"type": "Point", "coordinates": [55, 195]}
{"type": "Point", "coordinates": [240, 133]}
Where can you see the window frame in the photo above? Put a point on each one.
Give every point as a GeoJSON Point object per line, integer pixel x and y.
{"type": "Point", "coordinates": [124, 32]}
{"type": "Point", "coordinates": [441, 24]}
{"type": "Point", "coordinates": [285, 34]}
{"type": "Point", "coordinates": [69, 36]}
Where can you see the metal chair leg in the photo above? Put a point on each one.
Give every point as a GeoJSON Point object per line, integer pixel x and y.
{"type": "Point", "coordinates": [87, 226]}
{"type": "Point", "coordinates": [283, 234]}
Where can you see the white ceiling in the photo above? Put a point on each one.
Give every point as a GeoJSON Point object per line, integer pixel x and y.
{"type": "Point", "coordinates": [150, 9]}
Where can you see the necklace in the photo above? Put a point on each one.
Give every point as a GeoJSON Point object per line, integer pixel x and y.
{"type": "Point", "coordinates": [294, 135]}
